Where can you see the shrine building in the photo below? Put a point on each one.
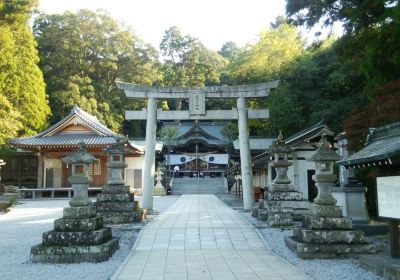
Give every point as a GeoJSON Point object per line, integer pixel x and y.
{"type": "Point", "coordinates": [64, 137]}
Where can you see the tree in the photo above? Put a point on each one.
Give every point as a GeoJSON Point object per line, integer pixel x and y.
{"type": "Point", "coordinates": [230, 131]}
{"type": "Point", "coordinates": [230, 50]}
{"type": "Point", "coordinates": [318, 87]}
{"type": "Point", "coordinates": [10, 118]}
{"type": "Point", "coordinates": [168, 135]}
{"type": "Point", "coordinates": [369, 46]}
{"type": "Point", "coordinates": [83, 54]}
{"type": "Point", "coordinates": [22, 89]}
{"type": "Point", "coordinates": [187, 62]}
{"type": "Point", "coordinates": [274, 52]}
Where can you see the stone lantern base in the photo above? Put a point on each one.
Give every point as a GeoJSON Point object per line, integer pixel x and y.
{"type": "Point", "coordinates": [282, 203]}
{"type": "Point", "coordinates": [77, 237]}
{"type": "Point", "coordinates": [326, 238]}
{"type": "Point", "coordinates": [116, 205]}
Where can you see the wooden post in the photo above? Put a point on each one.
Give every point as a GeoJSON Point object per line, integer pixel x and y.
{"type": "Point", "coordinates": [394, 238]}
{"type": "Point", "coordinates": [40, 171]}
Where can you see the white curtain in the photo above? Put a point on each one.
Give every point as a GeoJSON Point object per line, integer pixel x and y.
{"type": "Point", "coordinates": [216, 158]}
{"type": "Point", "coordinates": [211, 158]}
{"type": "Point", "coordinates": [179, 159]}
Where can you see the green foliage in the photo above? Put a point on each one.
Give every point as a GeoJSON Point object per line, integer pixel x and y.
{"type": "Point", "coordinates": [318, 87]}
{"type": "Point", "coordinates": [169, 134]}
{"type": "Point", "coordinates": [82, 55]}
{"type": "Point", "coordinates": [23, 103]}
{"type": "Point", "coordinates": [231, 132]}
{"type": "Point", "coordinates": [276, 49]}
{"type": "Point", "coordinates": [188, 62]}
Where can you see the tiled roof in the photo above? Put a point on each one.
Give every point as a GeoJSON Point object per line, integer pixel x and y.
{"type": "Point", "coordinates": [101, 135]}
{"type": "Point", "coordinates": [382, 145]}
{"type": "Point", "coordinates": [64, 140]}
{"type": "Point", "coordinates": [207, 132]}
{"type": "Point", "coordinates": [309, 133]}
{"type": "Point", "coordinates": [90, 120]}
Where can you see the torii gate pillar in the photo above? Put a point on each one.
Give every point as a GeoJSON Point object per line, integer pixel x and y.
{"type": "Point", "coordinates": [149, 156]}
{"type": "Point", "coordinates": [245, 156]}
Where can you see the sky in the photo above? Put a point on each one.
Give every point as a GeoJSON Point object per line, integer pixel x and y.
{"type": "Point", "coordinates": [214, 22]}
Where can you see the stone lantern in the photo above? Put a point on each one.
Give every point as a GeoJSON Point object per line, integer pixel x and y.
{"type": "Point", "coordinates": [116, 163]}
{"type": "Point", "coordinates": [159, 188]}
{"type": "Point", "coordinates": [80, 178]}
{"type": "Point", "coordinates": [325, 233]}
{"type": "Point", "coordinates": [115, 204]}
{"type": "Point", "coordinates": [282, 199]}
{"type": "Point", "coordinates": [324, 203]}
{"type": "Point", "coordinates": [281, 164]}
{"type": "Point", "coordinates": [79, 236]}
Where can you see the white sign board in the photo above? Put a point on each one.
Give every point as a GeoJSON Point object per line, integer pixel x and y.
{"type": "Point", "coordinates": [388, 189]}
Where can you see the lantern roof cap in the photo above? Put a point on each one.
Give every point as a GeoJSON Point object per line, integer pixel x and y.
{"type": "Point", "coordinates": [80, 156]}
{"type": "Point", "coordinates": [324, 153]}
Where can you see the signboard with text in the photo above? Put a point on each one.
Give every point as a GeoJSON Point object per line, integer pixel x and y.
{"type": "Point", "coordinates": [388, 191]}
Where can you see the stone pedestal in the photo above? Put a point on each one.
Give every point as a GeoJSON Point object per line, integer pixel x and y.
{"type": "Point", "coordinates": [326, 233]}
{"type": "Point", "coordinates": [282, 203]}
{"type": "Point", "coordinates": [328, 237]}
{"type": "Point", "coordinates": [77, 237]}
{"type": "Point", "coordinates": [117, 206]}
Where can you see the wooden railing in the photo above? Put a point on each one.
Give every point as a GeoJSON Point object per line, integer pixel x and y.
{"type": "Point", "coordinates": [23, 193]}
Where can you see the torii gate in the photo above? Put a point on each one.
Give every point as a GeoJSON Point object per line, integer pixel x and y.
{"type": "Point", "coordinates": [197, 111]}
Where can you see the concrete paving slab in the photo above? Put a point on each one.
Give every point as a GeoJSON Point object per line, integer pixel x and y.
{"type": "Point", "coordinates": [200, 237]}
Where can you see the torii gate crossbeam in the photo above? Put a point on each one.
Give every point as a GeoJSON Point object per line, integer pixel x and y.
{"type": "Point", "coordinates": [196, 96]}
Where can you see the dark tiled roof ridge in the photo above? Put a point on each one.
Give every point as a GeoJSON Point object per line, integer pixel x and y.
{"type": "Point", "coordinates": [372, 135]}
{"type": "Point", "coordinates": [308, 131]}
{"type": "Point", "coordinates": [91, 120]}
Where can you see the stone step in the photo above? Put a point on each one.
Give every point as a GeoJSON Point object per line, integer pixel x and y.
{"type": "Point", "coordinates": [87, 224]}
{"type": "Point", "coordinates": [122, 217]}
{"type": "Point", "coordinates": [74, 254]}
{"type": "Point", "coordinates": [329, 251]}
{"type": "Point", "coordinates": [328, 236]}
{"type": "Point", "coordinates": [285, 196]}
{"type": "Point", "coordinates": [114, 189]}
{"type": "Point", "coordinates": [116, 206]}
{"type": "Point", "coordinates": [114, 197]}
{"type": "Point", "coordinates": [312, 222]}
{"type": "Point", "coordinates": [68, 238]}
{"type": "Point", "coordinates": [81, 212]}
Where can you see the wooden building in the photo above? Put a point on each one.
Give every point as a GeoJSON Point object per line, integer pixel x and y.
{"type": "Point", "coordinates": [64, 137]}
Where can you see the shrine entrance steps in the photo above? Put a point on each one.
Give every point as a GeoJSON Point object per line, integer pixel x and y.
{"type": "Point", "coordinates": [199, 185]}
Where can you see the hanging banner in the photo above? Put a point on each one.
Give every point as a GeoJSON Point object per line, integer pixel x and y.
{"type": "Point", "coordinates": [179, 159]}
{"type": "Point", "coordinates": [210, 158]}
{"type": "Point", "coordinates": [216, 158]}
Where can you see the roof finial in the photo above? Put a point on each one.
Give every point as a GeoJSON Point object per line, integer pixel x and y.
{"type": "Point", "coordinates": [75, 109]}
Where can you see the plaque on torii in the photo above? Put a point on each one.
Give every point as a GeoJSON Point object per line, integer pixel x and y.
{"type": "Point", "coordinates": [197, 111]}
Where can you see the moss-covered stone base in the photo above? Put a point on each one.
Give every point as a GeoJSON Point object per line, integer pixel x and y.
{"type": "Point", "coordinates": [74, 253]}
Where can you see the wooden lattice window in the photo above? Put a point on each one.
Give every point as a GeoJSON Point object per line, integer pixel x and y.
{"type": "Point", "coordinates": [95, 169]}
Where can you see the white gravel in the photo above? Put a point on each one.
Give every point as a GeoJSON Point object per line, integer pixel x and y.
{"type": "Point", "coordinates": [343, 269]}
{"type": "Point", "coordinates": [23, 227]}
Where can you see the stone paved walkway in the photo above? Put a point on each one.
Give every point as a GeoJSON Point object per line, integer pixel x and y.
{"type": "Point", "coordinates": [199, 237]}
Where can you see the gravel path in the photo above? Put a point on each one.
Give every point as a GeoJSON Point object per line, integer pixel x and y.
{"type": "Point", "coordinates": [23, 227]}
{"type": "Point", "coordinates": [346, 269]}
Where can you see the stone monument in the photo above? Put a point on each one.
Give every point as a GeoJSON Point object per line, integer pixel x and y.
{"type": "Point", "coordinates": [282, 198]}
{"type": "Point", "coordinates": [326, 233]}
{"type": "Point", "coordinates": [79, 236]}
{"type": "Point", "coordinates": [159, 188]}
{"type": "Point", "coordinates": [115, 203]}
